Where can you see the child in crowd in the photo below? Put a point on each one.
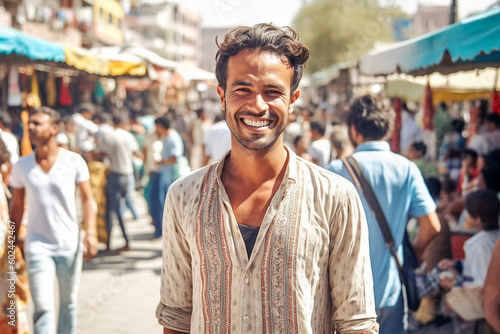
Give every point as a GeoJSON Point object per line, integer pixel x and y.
{"type": "Point", "coordinates": [482, 213]}
{"type": "Point", "coordinates": [469, 172]}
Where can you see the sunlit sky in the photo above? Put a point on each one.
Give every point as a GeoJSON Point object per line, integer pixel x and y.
{"type": "Point", "coordinates": [228, 13]}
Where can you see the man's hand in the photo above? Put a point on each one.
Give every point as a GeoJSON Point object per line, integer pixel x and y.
{"type": "Point", "coordinates": [446, 280]}
{"type": "Point", "coordinates": [90, 245]}
{"type": "Point", "coordinates": [446, 264]}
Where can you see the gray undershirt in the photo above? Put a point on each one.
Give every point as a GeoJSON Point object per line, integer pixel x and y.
{"type": "Point", "coordinates": [249, 234]}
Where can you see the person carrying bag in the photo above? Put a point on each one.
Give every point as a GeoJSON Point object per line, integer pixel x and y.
{"type": "Point", "coordinates": [406, 269]}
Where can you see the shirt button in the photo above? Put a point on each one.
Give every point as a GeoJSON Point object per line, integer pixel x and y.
{"type": "Point", "coordinates": [247, 280]}
{"type": "Point", "coordinates": [245, 318]}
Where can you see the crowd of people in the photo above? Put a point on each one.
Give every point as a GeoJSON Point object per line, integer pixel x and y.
{"type": "Point", "coordinates": [260, 232]}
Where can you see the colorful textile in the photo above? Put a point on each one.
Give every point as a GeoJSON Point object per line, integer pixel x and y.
{"type": "Point", "coordinates": [98, 176]}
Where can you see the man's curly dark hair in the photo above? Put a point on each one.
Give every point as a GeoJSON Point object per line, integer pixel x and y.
{"type": "Point", "coordinates": [369, 120]}
{"type": "Point", "coordinates": [265, 37]}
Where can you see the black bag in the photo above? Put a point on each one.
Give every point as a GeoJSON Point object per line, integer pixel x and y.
{"type": "Point", "coordinates": [407, 271]}
{"type": "Point", "coordinates": [409, 277]}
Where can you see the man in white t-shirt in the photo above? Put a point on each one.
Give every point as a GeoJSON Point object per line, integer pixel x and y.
{"type": "Point", "coordinates": [119, 146]}
{"type": "Point", "coordinates": [320, 149]}
{"type": "Point", "coordinates": [48, 179]}
{"type": "Point", "coordinates": [216, 143]}
{"type": "Point", "coordinates": [85, 127]}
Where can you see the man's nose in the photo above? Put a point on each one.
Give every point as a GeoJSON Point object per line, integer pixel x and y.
{"type": "Point", "coordinates": [259, 104]}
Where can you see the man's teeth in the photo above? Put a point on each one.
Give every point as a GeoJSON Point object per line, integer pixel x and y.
{"type": "Point", "coordinates": [254, 123]}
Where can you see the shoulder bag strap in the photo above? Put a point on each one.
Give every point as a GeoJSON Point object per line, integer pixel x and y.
{"type": "Point", "coordinates": [366, 189]}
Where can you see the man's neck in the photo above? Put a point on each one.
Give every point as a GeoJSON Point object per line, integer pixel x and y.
{"type": "Point", "coordinates": [47, 150]}
{"type": "Point", "coordinates": [255, 167]}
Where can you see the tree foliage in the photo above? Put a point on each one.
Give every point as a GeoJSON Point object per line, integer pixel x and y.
{"type": "Point", "coordinates": [341, 30]}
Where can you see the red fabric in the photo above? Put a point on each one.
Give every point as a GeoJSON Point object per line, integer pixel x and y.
{"type": "Point", "coordinates": [457, 245]}
{"type": "Point", "coordinates": [495, 102]}
{"type": "Point", "coordinates": [396, 135]}
{"type": "Point", "coordinates": [429, 110]}
{"type": "Point", "coordinates": [64, 95]}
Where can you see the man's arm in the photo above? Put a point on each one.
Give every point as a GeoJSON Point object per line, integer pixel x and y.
{"type": "Point", "coordinates": [17, 210]}
{"type": "Point", "coordinates": [491, 290]}
{"type": "Point", "coordinates": [176, 290]}
{"type": "Point", "coordinates": [350, 269]}
{"type": "Point", "coordinates": [428, 226]}
{"type": "Point", "coordinates": [170, 331]}
{"type": "Point", "coordinates": [138, 154]}
{"type": "Point", "coordinates": [89, 216]}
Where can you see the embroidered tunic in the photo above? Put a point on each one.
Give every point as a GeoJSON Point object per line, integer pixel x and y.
{"type": "Point", "coordinates": [309, 271]}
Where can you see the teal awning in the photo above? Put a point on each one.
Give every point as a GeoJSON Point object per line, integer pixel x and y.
{"type": "Point", "coordinates": [469, 44]}
{"type": "Point", "coordinates": [15, 42]}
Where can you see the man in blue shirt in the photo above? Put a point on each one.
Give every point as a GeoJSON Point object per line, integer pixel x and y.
{"type": "Point", "coordinates": [402, 193]}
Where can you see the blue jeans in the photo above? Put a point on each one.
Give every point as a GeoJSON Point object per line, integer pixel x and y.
{"type": "Point", "coordinates": [116, 189]}
{"type": "Point", "coordinates": [392, 319]}
{"type": "Point", "coordinates": [129, 203]}
{"type": "Point", "coordinates": [42, 270]}
{"type": "Point", "coordinates": [160, 182]}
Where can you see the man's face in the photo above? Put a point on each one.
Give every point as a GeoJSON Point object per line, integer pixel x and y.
{"type": "Point", "coordinates": [257, 98]}
{"type": "Point", "coordinates": [41, 128]}
{"type": "Point", "coordinates": [160, 130]}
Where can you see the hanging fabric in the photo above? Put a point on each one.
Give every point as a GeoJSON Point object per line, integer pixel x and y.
{"type": "Point", "coordinates": [64, 95]}
{"type": "Point", "coordinates": [34, 97]}
{"type": "Point", "coordinates": [50, 86]}
{"type": "Point", "coordinates": [396, 135]}
{"type": "Point", "coordinates": [14, 94]}
{"type": "Point", "coordinates": [99, 93]}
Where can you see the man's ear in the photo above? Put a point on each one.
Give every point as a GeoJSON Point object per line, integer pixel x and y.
{"type": "Point", "coordinates": [222, 97]}
{"type": "Point", "coordinates": [55, 128]}
{"type": "Point", "coordinates": [293, 99]}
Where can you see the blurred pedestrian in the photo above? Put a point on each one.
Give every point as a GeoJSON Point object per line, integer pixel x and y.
{"type": "Point", "coordinates": [217, 141]}
{"type": "Point", "coordinates": [171, 159]}
{"type": "Point", "coordinates": [198, 129]}
{"type": "Point", "coordinates": [48, 178]}
{"type": "Point", "coordinates": [401, 192]}
{"type": "Point", "coordinates": [119, 146]}
{"type": "Point", "coordinates": [85, 127]}
{"type": "Point", "coordinates": [320, 149]}
{"type": "Point", "coordinates": [262, 241]}
{"type": "Point", "coordinates": [341, 143]}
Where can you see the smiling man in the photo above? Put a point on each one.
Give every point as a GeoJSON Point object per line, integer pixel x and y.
{"type": "Point", "coordinates": [263, 241]}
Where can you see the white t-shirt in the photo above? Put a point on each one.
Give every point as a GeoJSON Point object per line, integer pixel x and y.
{"type": "Point", "coordinates": [217, 141]}
{"type": "Point", "coordinates": [321, 150]}
{"type": "Point", "coordinates": [154, 147]}
{"type": "Point", "coordinates": [478, 250]}
{"type": "Point", "coordinates": [486, 142]}
{"type": "Point", "coordinates": [119, 146]}
{"type": "Point", "coordinates": [85, 128]}
{"type": "Point", "coordinates": [52, 219]}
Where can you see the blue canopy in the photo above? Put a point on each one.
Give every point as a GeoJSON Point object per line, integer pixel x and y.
{"type": "Point", "coordinates": [466, 45]}
{"type": "Point", "coordinates": [15, 42]}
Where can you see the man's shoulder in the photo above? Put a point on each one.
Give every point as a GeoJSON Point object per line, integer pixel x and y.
{"type": "Point", "coordinates": [189, 184]}
{"type": "Point", "coordinates": [26, 161]}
